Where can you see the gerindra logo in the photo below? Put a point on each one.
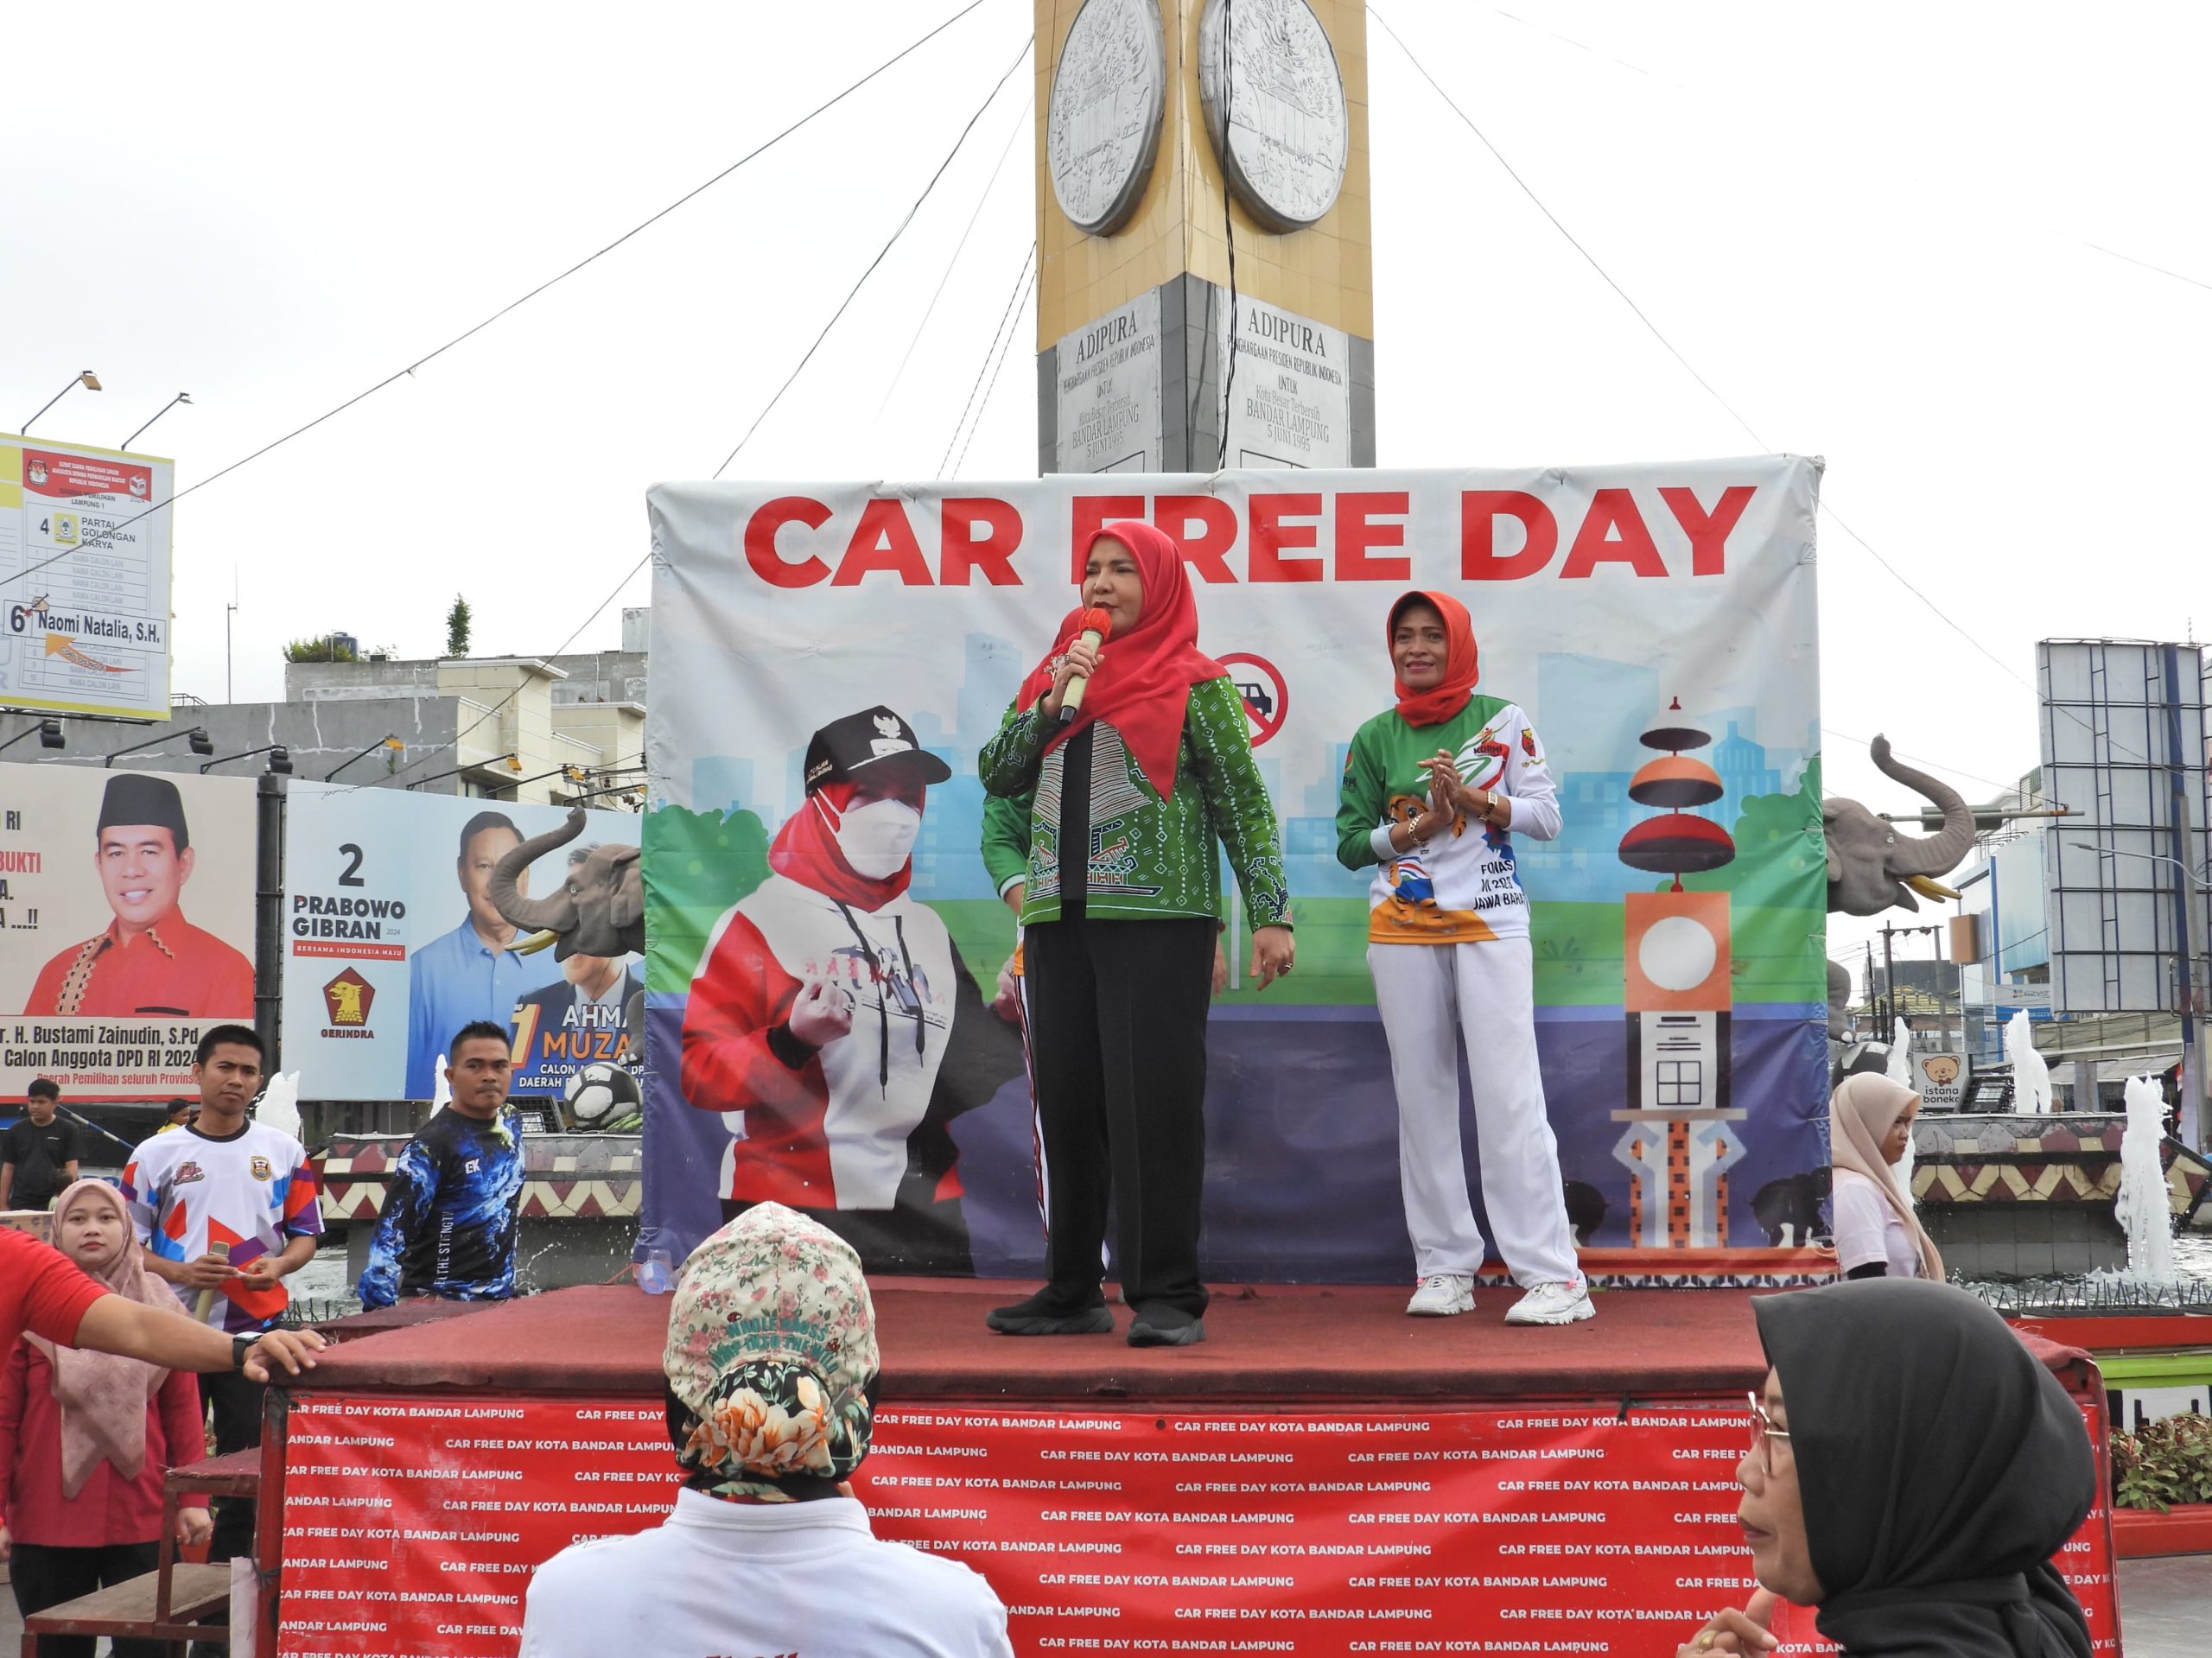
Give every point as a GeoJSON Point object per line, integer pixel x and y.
{"type": "Point", "coordinates": [348, 998]}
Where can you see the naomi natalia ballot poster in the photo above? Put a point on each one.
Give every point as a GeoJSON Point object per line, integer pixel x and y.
{"type": "Point", "coordinates": [1656, 621]}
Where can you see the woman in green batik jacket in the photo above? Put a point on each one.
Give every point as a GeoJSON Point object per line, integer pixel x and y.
{"type": "Point", "coordinates": [1118, 919]}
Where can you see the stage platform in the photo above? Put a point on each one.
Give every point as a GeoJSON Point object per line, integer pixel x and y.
{"type": "Point", "coordinates": [1333, 1475]}
{"type": "Point", "coordinates": [1264, 1342]}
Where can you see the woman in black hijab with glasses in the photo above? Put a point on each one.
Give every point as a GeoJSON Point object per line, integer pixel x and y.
{"type": "Point", "coordinates": [1912, 1472]}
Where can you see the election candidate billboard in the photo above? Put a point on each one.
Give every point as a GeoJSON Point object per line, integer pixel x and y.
{"type": "Point", "coordinates": [126, 925]}
{"type": "Point", "coordinates": [1654, 622]}
{"type": "Point", "coordinates": [84, 579]}
{"type": "Point", "coordinates": [393, 941]}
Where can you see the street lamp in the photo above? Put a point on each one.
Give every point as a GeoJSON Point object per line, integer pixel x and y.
{"type": "Point", "coordinates": [182, 397]}
{"type": "Point", "coordinates": [573, 773]}
{"type": "Point", "coordinates": [381, 742]}
{"type": "Point", "coordinates": [2156, 857]}
{"type": "Point", "coordinates": [49, 735]}
{"type": "Point", "coordinates": [85, 377]}
{"type": "Point", "coordinates": [200, 741]}
{"type": "Point", "coordinates": [511, 763]}
{"type": "Point", "coordinates": [280, 759]}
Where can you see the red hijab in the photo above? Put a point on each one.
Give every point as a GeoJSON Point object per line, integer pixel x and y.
{"type": "Point", "coordinates": [1143, 686]}
{"type": "Point", "coordinates": [806, 850]}
{"type": "Point", "coordinates": [1452, 693]}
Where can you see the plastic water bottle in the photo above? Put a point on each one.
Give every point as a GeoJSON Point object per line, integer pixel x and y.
{"type": "Point", "coordinates": [656, 1277]}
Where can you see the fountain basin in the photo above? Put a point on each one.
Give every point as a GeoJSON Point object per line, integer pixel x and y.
{"type": "Point", "coordinates": [2029, 1195]}
{"type": "Point", "coordinates": [580, 1200]}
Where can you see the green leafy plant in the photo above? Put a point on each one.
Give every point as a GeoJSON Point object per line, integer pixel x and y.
{"type": "Point", "coordinates": [457, 624]}
{"type": "Point", "coordinates": [325, 649]}
{"type": "Point", "coordinates": [2163, 1463]}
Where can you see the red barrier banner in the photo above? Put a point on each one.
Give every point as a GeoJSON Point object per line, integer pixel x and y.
{"type": "Point", "coordinates": [411, 1525]}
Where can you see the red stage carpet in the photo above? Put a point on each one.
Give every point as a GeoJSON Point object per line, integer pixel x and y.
{"type": "Point", "coordinates": [1273, 1341]}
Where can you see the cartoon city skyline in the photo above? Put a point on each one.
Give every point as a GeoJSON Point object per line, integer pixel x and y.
{"type": "Point", "coordinates": [1583, 705]}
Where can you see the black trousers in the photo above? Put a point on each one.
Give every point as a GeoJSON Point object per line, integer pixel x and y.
{"type": "Point", "coordinates": [236, 1403]}
{"type": "Point", "coordinates": [46, 1577]}
{"type": "Point", "coordinates": [1118, 1032]}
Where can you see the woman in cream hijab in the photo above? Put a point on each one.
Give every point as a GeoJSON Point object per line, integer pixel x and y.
{"type": "Point", "coordinates": [1877, 1235]}
{"type": "Point", "coordinates": [86, 1437]}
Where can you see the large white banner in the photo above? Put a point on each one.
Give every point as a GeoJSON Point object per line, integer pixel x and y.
{"type": "Point", "coordinates": [392, 943]}
{"type": "Point", "coordinates": [1656, 621]}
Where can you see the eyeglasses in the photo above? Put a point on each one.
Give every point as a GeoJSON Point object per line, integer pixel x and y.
{"type": "Point", "coordinates": [1764, 1434]}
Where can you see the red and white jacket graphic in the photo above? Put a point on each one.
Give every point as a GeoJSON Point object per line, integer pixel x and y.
{"type": "Point", "coordinates": [847, 1126]}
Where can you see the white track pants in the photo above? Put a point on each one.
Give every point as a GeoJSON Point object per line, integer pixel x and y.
{"type": "Point", "coordinates": [1428, 995]}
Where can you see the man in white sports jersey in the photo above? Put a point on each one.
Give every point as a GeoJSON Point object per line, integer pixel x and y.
{"type": "Point", "coordinates": [227, 1209]}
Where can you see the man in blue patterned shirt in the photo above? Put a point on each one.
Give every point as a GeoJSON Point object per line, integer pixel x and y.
{"type": "Point", "coordinates": [450, 1202]}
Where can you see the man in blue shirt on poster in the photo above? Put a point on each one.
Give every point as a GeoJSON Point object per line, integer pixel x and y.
{"type": "Point", "coordinates": [469, 973]}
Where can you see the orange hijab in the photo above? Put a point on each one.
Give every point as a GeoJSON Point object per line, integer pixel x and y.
{"type": "Point", "coordinates": [1142, 689]}
{"type": "Point", "coordinates": [1449, 694]}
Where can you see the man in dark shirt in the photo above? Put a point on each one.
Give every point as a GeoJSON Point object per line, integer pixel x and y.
{"type": "Point", "coordinates": [38, 1155]}
{"type": "Point", "coordinates": [448, 1225]}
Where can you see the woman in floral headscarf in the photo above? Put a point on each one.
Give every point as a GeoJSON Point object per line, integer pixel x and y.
{"type": "Point", "coordinates": [772, 1373]}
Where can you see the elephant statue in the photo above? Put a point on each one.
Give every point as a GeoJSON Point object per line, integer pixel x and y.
{"type": "Point", "coordinates": [1871, 866]}
{"type": "Point", "coordinates": [600, 908]}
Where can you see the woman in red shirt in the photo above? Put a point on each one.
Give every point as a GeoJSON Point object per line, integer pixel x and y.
{"type": "Point", "coordinates": [86, 1437]}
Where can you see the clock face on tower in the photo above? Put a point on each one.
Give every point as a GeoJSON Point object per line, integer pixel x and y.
{"type": "Point", "coordinates": [1275, 107]}
{"type": "Point", "coordinates": [1102, 127]}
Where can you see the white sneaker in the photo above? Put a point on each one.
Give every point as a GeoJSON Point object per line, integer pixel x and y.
{"type": "Point", "coordinates": [1553, 1304]}
{"type": "Point", "coordinates": [1442, 1294]}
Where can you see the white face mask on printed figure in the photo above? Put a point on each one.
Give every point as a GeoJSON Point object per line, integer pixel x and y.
{"type": "Point", "coordinates": [878, 838]}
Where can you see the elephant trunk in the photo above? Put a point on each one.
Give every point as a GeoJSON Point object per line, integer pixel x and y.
{"type": "Point", "coordinates": [1926, 854]}
{"type": "Point", "coordinates": [555, 914]}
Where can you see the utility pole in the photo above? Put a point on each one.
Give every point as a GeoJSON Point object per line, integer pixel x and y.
{"type": "Point", "coordinates": [1889, 985]}
{"type": "Point", "coordinates": [229, 611]}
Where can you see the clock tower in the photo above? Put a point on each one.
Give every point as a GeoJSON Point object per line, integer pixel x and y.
{"type": "Point", "coordinates": [1204, 287]}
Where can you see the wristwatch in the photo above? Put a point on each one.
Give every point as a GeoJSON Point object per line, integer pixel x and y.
{"type": "Point", "coordinates": [241, 1344]}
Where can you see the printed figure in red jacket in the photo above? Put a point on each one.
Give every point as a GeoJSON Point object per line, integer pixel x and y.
{"type": "Point", "coordinates": [833, 1023]}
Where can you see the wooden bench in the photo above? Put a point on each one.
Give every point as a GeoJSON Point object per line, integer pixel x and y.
{"type": "Point", "coordinates": [144, 1609]}
{"type": "Point", "coordinates": [175, 1602]}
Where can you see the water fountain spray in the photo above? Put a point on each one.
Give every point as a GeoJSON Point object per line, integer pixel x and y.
{"type": "Point", "coordinates": [2143, 1210]}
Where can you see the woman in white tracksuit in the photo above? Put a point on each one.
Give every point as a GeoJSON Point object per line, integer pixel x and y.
{"type": "Point", "coordinates": [1434, 790]}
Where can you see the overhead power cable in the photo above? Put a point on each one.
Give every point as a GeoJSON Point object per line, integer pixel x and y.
{"type": "Point", "coordinates": [1013, 300]}
{"type": "Point", "coordinates": [2115, 253]}
{"type": "Point", "coordinates": [1710, 391]}
{"type": "Point", "coordinates": [881, 254]}
{"type": "Point", "coordinates": [1005, 349]}
{"type": "Point", "coordinates": [631, 574]}
{"type": "Point", "coordinates": [930, 310]}
{"type": "Point", "coordinates": [92, 542]}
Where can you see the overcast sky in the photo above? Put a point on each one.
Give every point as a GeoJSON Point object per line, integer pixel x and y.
{"type": "Point", "coordinates": [1873, 229]}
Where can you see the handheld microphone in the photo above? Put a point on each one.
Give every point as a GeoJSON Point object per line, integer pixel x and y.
{"type": "Point", "coordinates": [1095, 624]}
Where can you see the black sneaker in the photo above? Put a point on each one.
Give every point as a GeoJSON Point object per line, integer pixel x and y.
{"type": "Point", "coordinates": [1159, 1325]}
{"type": "Point", "coordinates": [1044, 1314]}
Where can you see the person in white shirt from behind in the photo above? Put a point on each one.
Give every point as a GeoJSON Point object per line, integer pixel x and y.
{"type": "Point", "coordinates": [772, 1367]}
{"type": "Point", "coordinates": [1877, 1234]}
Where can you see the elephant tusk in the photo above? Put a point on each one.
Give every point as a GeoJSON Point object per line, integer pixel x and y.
{"type": "Point", "coordinates": [1927, 888]}
{"type": "Point", "coordinates": [538, 940]}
